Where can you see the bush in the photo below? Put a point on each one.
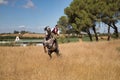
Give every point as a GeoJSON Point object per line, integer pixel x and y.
{"type": "Point", "coordinates": [67, 40]}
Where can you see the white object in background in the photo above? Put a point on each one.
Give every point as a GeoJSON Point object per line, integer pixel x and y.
{"type": "Point", "coordinates": [17, 38]}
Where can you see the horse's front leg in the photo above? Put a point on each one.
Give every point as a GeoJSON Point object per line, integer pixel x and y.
{"type": "Point", "coordinates": [45, 50]}
{"type": "Point", "coordinates": [49, 53]}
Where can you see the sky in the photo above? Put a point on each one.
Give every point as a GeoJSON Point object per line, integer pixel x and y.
{"type": "Point", "coordinates": [30, 15]}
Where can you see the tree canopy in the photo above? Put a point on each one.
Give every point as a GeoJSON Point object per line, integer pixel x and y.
{"type": "Point", "coordinates": [84, 14]}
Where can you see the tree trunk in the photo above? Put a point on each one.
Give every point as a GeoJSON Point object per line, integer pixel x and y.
{"type": "Point", "coordinates": [108, 33]}
{"type": "Point", "coordinates": [116, 30]}
{"type": "Point", "coordinates": [89, 34]}
{"type": "Point", "coordinates": [96, 36]}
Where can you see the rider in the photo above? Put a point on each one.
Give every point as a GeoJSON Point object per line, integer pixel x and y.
{"type": "Point", "coordinates": [55, 30]}
{"type": "Point", "coordinates": [55, 33]}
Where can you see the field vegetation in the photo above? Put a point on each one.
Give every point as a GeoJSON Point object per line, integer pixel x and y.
{"type": "Point", "coordinates": [78, 61]}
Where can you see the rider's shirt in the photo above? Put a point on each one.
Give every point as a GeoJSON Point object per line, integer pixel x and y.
{"type": "Point", "coordinates": [55, 31]}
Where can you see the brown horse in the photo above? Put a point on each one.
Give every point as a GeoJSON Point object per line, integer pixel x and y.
{"type": "Point", "coordinates": [51, 46]}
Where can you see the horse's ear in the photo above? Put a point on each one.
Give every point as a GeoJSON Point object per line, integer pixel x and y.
{"type": "Point", "coordinates": [45, 28]}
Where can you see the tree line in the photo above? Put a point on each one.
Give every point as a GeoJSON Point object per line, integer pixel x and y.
{"type": "Point", "coordinates": [84, 15]}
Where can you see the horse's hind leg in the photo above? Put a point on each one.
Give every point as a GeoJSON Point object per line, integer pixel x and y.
{"type": "Point", "coordinates": [57, 52]}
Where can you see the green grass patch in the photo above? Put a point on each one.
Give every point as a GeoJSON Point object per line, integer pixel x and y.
{"type": "Point", "coordinates": [67, 40]}
{"type": "Point", "coordinates": [86, 38]}
{"type": "Point", "coordinates": [12, 38]}
{"type": "Point", "coordinates": [7, 38]}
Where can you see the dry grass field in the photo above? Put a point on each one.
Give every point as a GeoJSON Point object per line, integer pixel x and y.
{"type": "Point", "coordinates": [25, 35]}
{"type": "Point", "coordinates": [33, 35]}
{"type": "Point", "coordinates": [78, 61]}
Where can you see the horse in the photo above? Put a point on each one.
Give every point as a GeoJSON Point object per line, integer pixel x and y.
{"type": "Point", "coordinates": [52, 46]}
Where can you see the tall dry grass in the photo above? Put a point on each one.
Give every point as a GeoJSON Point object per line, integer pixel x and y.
{"type": "Point", "coordinates": [79, 61]}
